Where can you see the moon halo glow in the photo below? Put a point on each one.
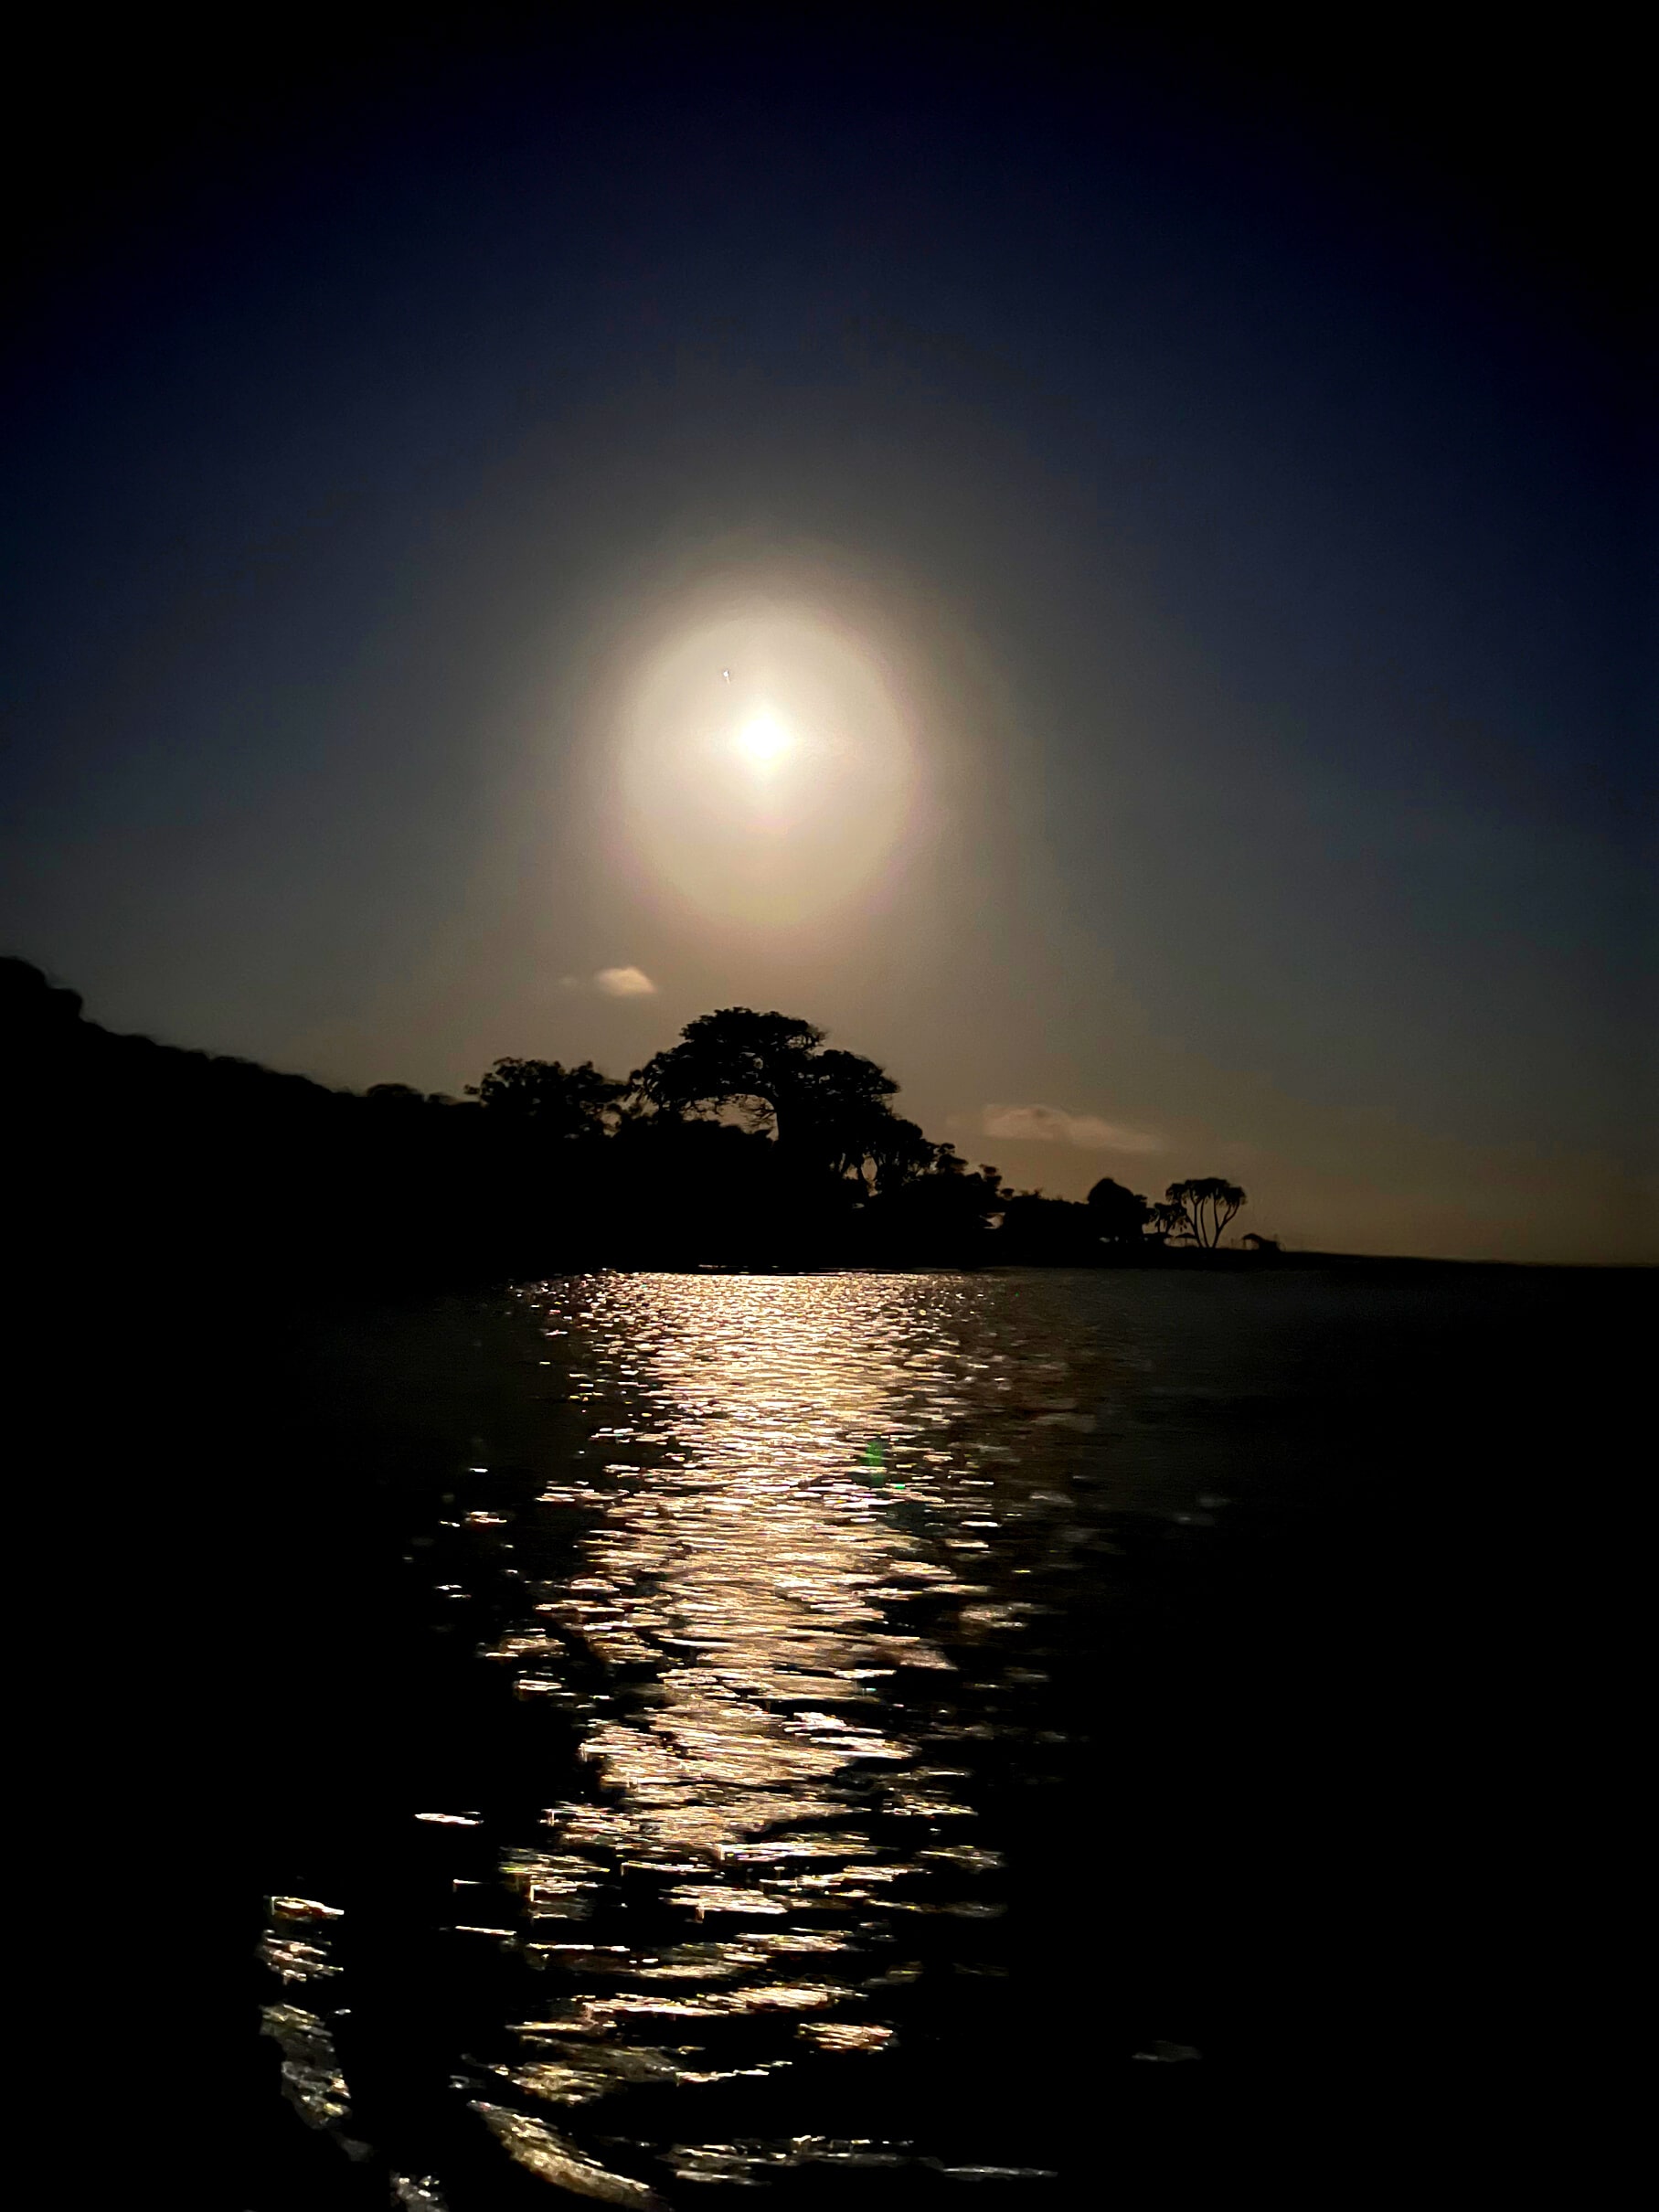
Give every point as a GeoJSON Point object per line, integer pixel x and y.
{"type": "Point", "coordinates": [766, 765]}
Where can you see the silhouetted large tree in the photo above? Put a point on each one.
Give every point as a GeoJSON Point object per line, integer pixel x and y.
{"type": "Point", "coordinates": [827, 1106]}
{"type": "Point", "coordinates": [734, 1057]}
{"type": "Point", "coordinates": [1203, 1207]}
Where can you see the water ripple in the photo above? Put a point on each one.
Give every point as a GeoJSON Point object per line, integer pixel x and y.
{"type": "Point", "coordinates": [788, 1588]}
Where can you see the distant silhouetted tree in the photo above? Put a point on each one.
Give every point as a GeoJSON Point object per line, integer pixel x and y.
{"type": "Point", "coordinates": [1202, 1208]}
{"type": "Point", "coordinates": [1052, 1231]}
{"type": "Point", "coordinates": [938, 1213]}
{"type": "Point", "coordinates": [548, 1097]}
{"type": "Point", "coordinates": [1120, 1215]}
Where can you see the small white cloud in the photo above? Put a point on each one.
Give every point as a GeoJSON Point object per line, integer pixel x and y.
{"type": "Point", "coordinates": [1051, 1125]}
{"type": "Point", "coordinates": [624, 983]}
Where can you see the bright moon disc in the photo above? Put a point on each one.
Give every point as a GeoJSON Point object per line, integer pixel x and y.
{"type": "Point", "coordinates": [767, 765]}
{"type": "Point", "coordinates": [764, 739]}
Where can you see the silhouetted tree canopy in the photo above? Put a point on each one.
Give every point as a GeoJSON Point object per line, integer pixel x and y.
{"type": "Point", "coordinates": [1048, 1231]}
{"type": "Point", "coordinates": [1203, 1207]}
{"type": "Point", "coordinates": [734, 1057]}
{"type": "Point", "coordinates": [544, 1095]}
{"type": "Point", "coordinates": [1121, 1216]}
{"type": "Point", "coordinates": [825, 1106]}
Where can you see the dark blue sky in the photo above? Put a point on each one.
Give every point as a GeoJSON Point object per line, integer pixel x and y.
{"type": "Point", "coordinates": [1241, 474]}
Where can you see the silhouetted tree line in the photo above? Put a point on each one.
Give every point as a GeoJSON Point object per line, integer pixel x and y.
{"type": "Point", "coordinates": [749, 1143]}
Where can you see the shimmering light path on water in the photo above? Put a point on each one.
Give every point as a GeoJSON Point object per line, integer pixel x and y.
{"type": "Point", "coordinates": [854, 1805]}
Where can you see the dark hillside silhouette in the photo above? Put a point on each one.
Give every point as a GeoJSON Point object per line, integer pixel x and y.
{"type": "Point", "coordinates": [749, 1143]}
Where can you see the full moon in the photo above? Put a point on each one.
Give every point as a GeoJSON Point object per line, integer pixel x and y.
{"type": "Point", "coordinates": [766, 762]}
{"type": "Point", "coordinates": [764, 740]}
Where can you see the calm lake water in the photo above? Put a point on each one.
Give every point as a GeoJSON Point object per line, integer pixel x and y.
{"type": "Point", "coordinates": [911, 1737]}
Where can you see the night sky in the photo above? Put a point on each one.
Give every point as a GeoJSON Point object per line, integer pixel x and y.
{"type": "Point", "coordinates": [1206, 481]}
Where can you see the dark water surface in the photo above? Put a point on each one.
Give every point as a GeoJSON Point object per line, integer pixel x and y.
{"type": "Point", "coordinates": [888, 1739]}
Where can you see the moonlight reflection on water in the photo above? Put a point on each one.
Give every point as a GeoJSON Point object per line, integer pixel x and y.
{"type": "Point", "coordinates": [757, 1567]}
{"type": "Point", "coordinates": [863, 1762]}
{"type": "Point", "coordinates": [776, 1624]}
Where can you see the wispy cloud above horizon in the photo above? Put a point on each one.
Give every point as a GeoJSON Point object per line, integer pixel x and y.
{"type": "Point", "coordinates": [612, 983]}
{"type": "Point", "coordinates": [624, 983]}
{"type": "Point", "coordinates": [1053, 1125]}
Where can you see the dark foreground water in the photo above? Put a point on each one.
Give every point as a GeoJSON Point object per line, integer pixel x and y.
{"type": "Point", "coordinates": [887, 1739]}
{"type": "Point", "coordinates": [898, 1739]}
